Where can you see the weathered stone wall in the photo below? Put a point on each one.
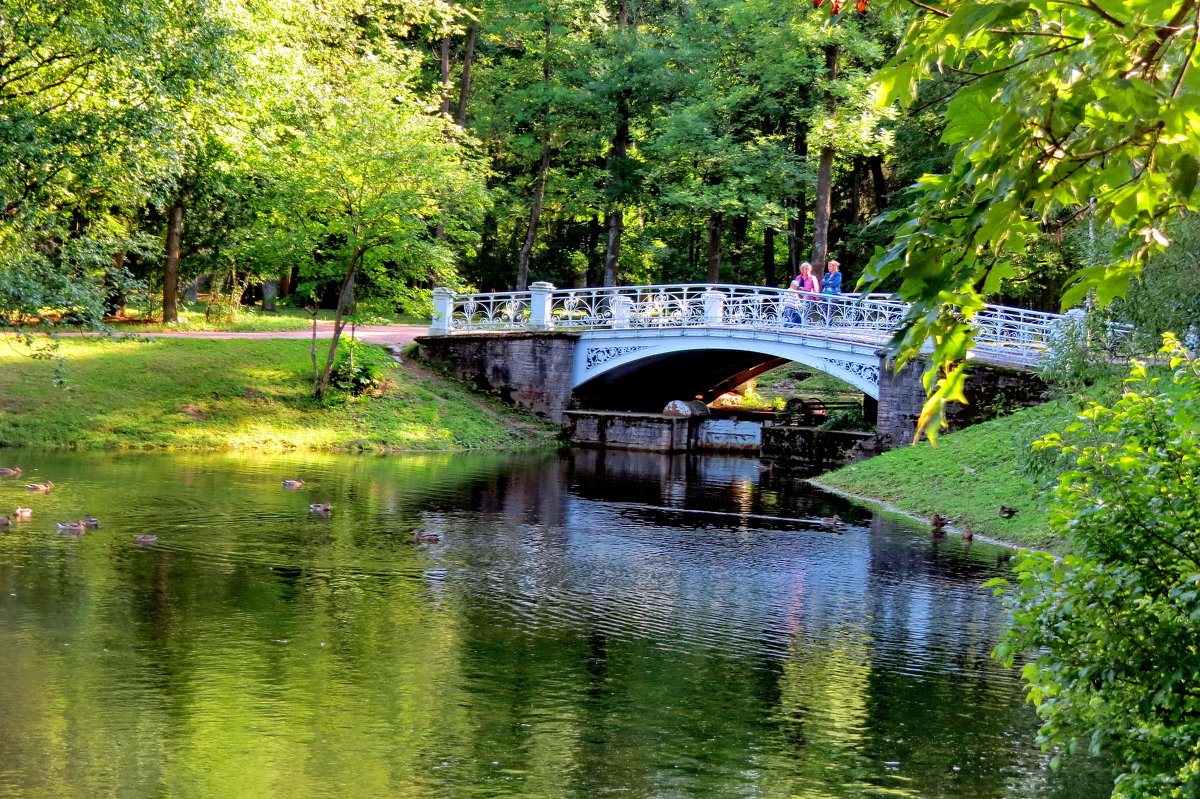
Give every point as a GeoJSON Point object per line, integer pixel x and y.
{"type": "Point", "coordinates": [990, 391]}
{"type": "Point", "coordinates": [811, 445]}
{"type": "Point", "coordinates": [901, 396]}
{"type": "Point", "coordinates": [651, 432]}
{"type": "Point", "coordinates": [532, 371]}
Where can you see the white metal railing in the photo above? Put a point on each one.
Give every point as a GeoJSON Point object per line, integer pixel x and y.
{"type": "Point", "coordinates": [1008, 335]}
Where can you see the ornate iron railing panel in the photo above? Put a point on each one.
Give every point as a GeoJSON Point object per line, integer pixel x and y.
{"type": "Point", "coordinates": [1007, 335]}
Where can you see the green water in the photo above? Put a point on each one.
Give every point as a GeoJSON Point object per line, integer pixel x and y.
{"type": "Point", "coordinates": [590, 624]}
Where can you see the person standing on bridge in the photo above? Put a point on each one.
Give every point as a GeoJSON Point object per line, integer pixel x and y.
{"type": "Point", "coordinates": [805, 286]}
{"type": "Point", "coordinates": [831, 286]}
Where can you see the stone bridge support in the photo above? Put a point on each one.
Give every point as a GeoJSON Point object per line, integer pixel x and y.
{"type": "Point", "coordinates": [990, 392]}
{"type": "Point", "coordinates": [532, 370]}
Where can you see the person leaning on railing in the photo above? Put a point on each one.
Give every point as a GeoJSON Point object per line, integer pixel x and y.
{"type": "Point", "coordinates": [802, 289]}
{"type": "Point", "coordinates": [831, 286]}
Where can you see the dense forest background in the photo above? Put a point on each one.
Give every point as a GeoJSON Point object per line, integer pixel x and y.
{"type": "Point", "coordinates": [373, 150]}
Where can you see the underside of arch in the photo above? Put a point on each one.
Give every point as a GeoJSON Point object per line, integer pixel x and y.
{"type": "Point", "coordinates": [645, 378]}
{"type": "Point", "coordinates": [647, 384]}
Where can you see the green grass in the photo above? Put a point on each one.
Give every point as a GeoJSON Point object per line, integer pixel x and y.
{"type": "Point", "coordinates": [970, 474]}
{"type": "Point", "coordinates": [236, 394]}
{"type": "Point", "coordinates": [772, 389]}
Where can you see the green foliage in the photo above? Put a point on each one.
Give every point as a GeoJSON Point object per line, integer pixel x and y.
{"type": "Point", "coordinates": [1085, 352]}
{"type": "Point", "coordinates": [360, 367]}
{"type": "Point", "coordinates": [1112, 628]}
{"type": "Point", "coordinates": [1054, 103]}
{"type": "Point", "coordinates": [1166, 297]}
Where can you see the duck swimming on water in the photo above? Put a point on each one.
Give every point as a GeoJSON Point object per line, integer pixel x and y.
{"type": "Point", "coordinates": [23, 513]}
{"type": "Point", "coordinates": [10, 471]}
{"type": "Point", "coordinates": [41, 488]}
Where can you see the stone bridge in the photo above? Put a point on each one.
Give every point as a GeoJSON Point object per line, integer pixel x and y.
{"type": "Point", "coordinates": [635, 348]}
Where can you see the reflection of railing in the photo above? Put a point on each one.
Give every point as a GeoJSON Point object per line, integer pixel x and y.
{"type": "Point", "coordinates": [1003, 334]}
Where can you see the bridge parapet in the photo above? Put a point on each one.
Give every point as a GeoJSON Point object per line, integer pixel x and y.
{"type": "Point", "coordinates": [1003, 335]}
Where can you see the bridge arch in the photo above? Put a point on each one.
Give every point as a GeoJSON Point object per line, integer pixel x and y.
{"type": "Point", "coordinates": [647, 368]}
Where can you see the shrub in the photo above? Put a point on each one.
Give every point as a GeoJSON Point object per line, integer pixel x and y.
{"type": "Point", "coordinates": [1112, 629]}
{"type": "Point", "coordinates": [359, 367]}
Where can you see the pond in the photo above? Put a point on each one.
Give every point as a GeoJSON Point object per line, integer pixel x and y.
{"type": "Point", "coordinates": [589, 623]}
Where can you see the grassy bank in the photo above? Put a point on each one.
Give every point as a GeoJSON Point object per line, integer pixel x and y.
{"type": "Point", "coordinates": [235, 394]}
{"type": "Point", "coordinates": [970, 474]}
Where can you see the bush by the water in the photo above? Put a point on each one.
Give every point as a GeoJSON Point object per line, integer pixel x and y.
{"type": "Point", "coordinates": [1112, 627]}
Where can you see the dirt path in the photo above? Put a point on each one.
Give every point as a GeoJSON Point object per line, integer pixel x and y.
{"type": "Point", "coordinates": [375, 334]}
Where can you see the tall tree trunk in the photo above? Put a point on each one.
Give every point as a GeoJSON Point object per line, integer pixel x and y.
{"type": "Point", "coordinates": [114, 297]}
{"type": "Point", "coordinates": [539, 193]}
{"type": "Point", "coordinates": [535, 213]}
{"type": "Point", "coordinates": [285, 283]}
{"type": "Point", "coordinates": [737, 239]}
{"type": "Point", "coordinates": [769, 276]}
{"type": "Point", "coordinates": [878, 182]}
{"type": "Point", "coordinates": [822, 201]}
{"type": "Point", "coordinates": [616, 164]}
{"type": "Point", "coordinates": [171, 267]}
{"type": "Point", "coordinates": [345, 300]}
{"type": "Point", "coordinates": [464, 86]}
{"type": "Point", "coordinates": [615, 222]}
{"type": "Point", "coordinates": [445, 64]}
{"type": "Point", "coordinates": [798, 223]}
{"type": "Point", "coordinates": [714, 247]}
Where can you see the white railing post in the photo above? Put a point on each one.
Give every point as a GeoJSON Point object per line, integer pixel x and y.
{"type": "Point", "coordinates": [443, 302]}
{"type": "Point", "coordinates": [714, 302]}
{"type": "Point", "coordinates": [621, 307]}
{"type": "Point", "coordinates": [539, 305]}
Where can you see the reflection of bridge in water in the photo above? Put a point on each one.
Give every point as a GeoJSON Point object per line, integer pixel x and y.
{"type": "Point", "coordinates": [637, 347]}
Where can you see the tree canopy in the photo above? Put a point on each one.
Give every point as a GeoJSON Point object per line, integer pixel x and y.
{"type": "Point", "coordinates": [1058, 109]}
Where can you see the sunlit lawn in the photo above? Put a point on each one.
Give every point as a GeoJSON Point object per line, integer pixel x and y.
{"type": "Point", "coordinates": [233, 394]}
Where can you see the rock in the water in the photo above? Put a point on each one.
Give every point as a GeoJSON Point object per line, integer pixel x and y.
{"type": "Point", "coordinates": [686, 408]}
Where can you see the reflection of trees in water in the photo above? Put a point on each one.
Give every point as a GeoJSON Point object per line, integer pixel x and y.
{"type": "Point", "coordinates": [557, 641]}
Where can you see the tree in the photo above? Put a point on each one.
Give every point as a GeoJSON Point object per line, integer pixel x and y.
{"type": "Point", "coordinates": [91, 95]}
{"type": "Point", "coordinates": [1112, 628]}
{"type": "Point", "coordinates": [1053, 103]}
{"type": "Point", "coordinates": [360, 191]}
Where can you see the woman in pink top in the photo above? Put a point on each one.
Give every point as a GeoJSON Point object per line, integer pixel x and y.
{"type": "Point", "coordinates": [807, 286]}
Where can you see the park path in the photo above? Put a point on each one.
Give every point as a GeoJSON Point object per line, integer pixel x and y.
{"type": "Point", "coordinates": [375, 334]}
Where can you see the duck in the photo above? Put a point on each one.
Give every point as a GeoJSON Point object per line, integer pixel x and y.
{"type": "Point", "coordinates": [22, 513]}
{"type": "Point", "coordinates": [320, 507]}
{"type": "Point", "coordinates": [10, 471]}
{"type": "Point", "coordinates": [90, 521]}
{"type": "Point", "coordinates": [3, 521]}
{"type": "Point", "coordinates": [144, 540]}
{"type": "Point", "coordinates": [421, 537]}
{"type": "Point", "coordinates": [293, 483]}
{"type": "Point", "coordinates": [968, 534]}
{"type": "Point", "coordinates": [831, 521]}
{"type": "Point", "coordinates": [938, 521]}
{"type": "Point", "coordinates": [1006, 512]}
{"type": "Point", "coordinates": [71, 526]}
{"type": "Point", "coordinates": [41, 488]}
